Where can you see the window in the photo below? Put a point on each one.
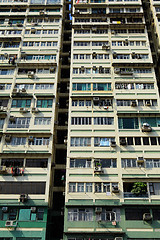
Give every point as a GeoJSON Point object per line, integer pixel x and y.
{"type": "Point", "coordinates": [103, 121]}
{"type": "Point", "coordinates": [18, 103]}
{"type": "Point", "coordinates": [102, 142]}
{"type": "Point", "coordinates": [152, 121]}
{"type": "Point", "coordinates": [81, 87]}
{"type": "Point", "coordinates": [72, 187]}
{"type": "Point", "coordinates": [80, 214]}
{"type": "Point", "coordinates": [44, 103]}
{"type": "Point", "coordinates": [15, 141]}
{"type": "Point", "coordinates": [152, 163]}
{"type": "Point", "coordinates": [22, 187]}
{"type": "Point", "coordinates": [13, 162]}
{"type": "Point", "coordinates": [80, 187]}
{"type": "Point", "coordinates": [80, 163]}
{"type": "Point", "coordinates": [80, 141]}
{"type": "Point", "coordinates": [106, 215]}
{"type": "Point", "coordinates": [128, 123]}
{"type": "Point", "coordinates": [108, 163]}
{"type": "Point", "coordinates": [88, 187]}
{"type": "Point", "coordinates": [40, 141]}
{"type": "Point", "coordinates": [154, 188]}
{"type": "Point", "coordinates": [81, 120]}
{"type": "Point", "coordinates": [125, 86]}
{"type": "Point", "coordinates": [130, 163]}
{"type": "Point", "coordinates": [19, 123]}
{"type": "Point", "coordinates": [135, 213]}
{"type": "Point", "coordinates": [6, 71]}
{"type": "Point", "coordinates": [101, 86]}
{"type": "Point", "coordinates": [34, 163]}
{"type": "Point", "coordinates": [42, 121]}
{"type": "Point", "coordinates": [98, 187]}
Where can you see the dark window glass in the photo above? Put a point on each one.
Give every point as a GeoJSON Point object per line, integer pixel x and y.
{"type": "Point", "coordinates": [13, 162]}
{"type": "Point", "coordinates": [135, 214]}
{"type": "Point", "coordinates": [137, 141]}
{"type": "Point", "coordinates": [159, 140]}
{"type": "Point", "coordinates": [130, 140]}
{"type": "Point", "coordinates": [42, 163]}
{"type": "Point", "coordinates": [22, 187]}
{"type": "Point", "coordinates": [156, 214]}
{"type": "Point", "coordinates": [153, 140]}
{"type": "Point", "coordinates": [145, 141]}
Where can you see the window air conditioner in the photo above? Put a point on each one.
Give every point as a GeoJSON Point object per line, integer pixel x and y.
{"type": "Point", "coordinates": [133, 103]}
{"type": "Point", "coordinates": [94, 68]}
{"type": "Point", "coordinates": [33, 30]}
{"type": "Point", "coordinates": [94, 54]}
{"type": "Point", "coordinates": [1, 108]}
{"type": "Point", "coordinates": [117, 70]}
{"type": "Point", "coordinates": [5, 209]}
{"type": "Point", "coordinates": [146, 127]}
{"type": "Point", "coordinates": [3, 169]}
{"type": "Point", "coordinates": [147, 217]}
{"type": "Point", "coordinates": [41, 12]}
{"type": "Point", "coordinates": [23, 110]}
{"type": "Point", "coordinates": [33, 209]}
{"type": "Point", "coordinates": [148, 103]}
{"type": "Point", "coordinates": [113, 143]}
{"type": "Point", "coordinates": [98, 210]}
{"type": "Point", "coordinates": [82, 68]}
{"type": "Point", "coordinates": [23, 197]}
{"type": "Point", "coordinates": [52, 69]}
{"type": "Point", "coordinates": [118, 238]}
{"type": "Point", "coordinates": [31, 74]}
{"type": "Point", "coordinates": [8, 138]}
{"type": "Point", "coordinates": [23, 90]}
{"type": "Point", "coordinates": [105, 47]}
{"type": "Point", "coordinates": [31, 138]}
{"type": "Point", "coordinates": [10, 223]}
{"type": "Point", "coordinates": [94, 29]}
{"type": "Point", "coordinates": [95, 99]}
{"type": "Point", "coordinates": [35, 110]}
{"type": "Point", "coordinates": [114, 55]}
{"type": "Point", "coordinates": [123, 141]}
{"type": "Point", "coordinates": [98, 169]}
{"type": "Point", "coordinates": [23, 54]}
{"type": "Point", "coordinates": [15, 91]}
{"type": "Point", "coordinates": [140, 160]}
{"type": "Point", "coordinates": [115, 189]}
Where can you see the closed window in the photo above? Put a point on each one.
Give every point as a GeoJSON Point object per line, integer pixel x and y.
{"type": "Point", "coordinates": [18, 103]}
{"type": "Point", "coordinates": [42, 121]}
{"type": "Point", "coordinates": [103, 121]}
{"type": "Point", "coordinates": [44, 103]}
{"type": "Point", "coordinates": [80, 163]}
{"type": "Point", "coordinates": [81, 120]}
{"type": "Point", "coordinates": [128, 123]}
{"type": "Point", "coordinates": [80, 141]}
{"type": "Point", "coordinates": [80, 214]}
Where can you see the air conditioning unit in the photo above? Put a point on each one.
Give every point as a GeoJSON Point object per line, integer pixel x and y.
{"type": "Point", "coordinates": [147, 217]}
{"type": "Point", "coordinates": [98, 169]}
{"type": "Point", "coordinates": [126, 41]}
{"type": "Point", "coordinates": [113, 143]}
{"type": "Point", "coordinates": [3, 169]}
{"type": "Point", "coordinates": [114, 54]}
{"type": "Point", "coordinates": [33, 30]}
{"type": "Point", "coordinates": [133, 54]}
{"type": "Point", "coordinates": [98, 210]}
{"type": "Point", "coordinates": [94, 29]}
{"type": "Point", "coordinates": [23, 90]}
{"type": "Point", "coordinates": [23, 110]}
{"type": "Point", "coordinates": [94, 68]}
{"type": "Point", "coordinates": [41, 12]}
{"type": "Point", "coordinates": [133, 103]}
{"type": "Point", "coordinates": [82, 68]}
{"type": "Point", "coordinates": [148, 103]}
{"type": "Point", "coordinates": [8, 138]}
{"type": "Point", "coordinates": [123, 141]}
{"type": "Point", "coordinates": [31, 74]}
{"type": "Point", "coordinates": [117, 70]}
{"type": "Point", "coordinates": [146, 127]}
{"type": "Point", "coordinates": [23, 54]}
{"type": "Point", "coordinates": [115, 189]}
{"type": "Point", "coordinates": [23, 197]}
{"type": "Point", "coordinates": [10, 223]}
{"type": "Point", "coordinates": [19, 24]}
{"type": "Point", "coordinates": [2, 87]}
{"type": "Point", "coordinates": [95, 99]}
{"type": "Point", "coordinates": [118, 238]}
{"type": "Point", "coordinates": [35, 110]}
{"type": "Point", "coordinates": [94, 54]}
{"type": "Point", "coordinates": [5, 209]}
{"type": "Point", "coordinates": [33, 209]}
{"type": "Point", "coordinates": [105, 47]}
{"type": "Point", "coordinates": [15, 91]}
{"type": "Point", "coordinates": [1, 108]}
{"type": "Point", "coordinates": [31, 138]}
{"type": "Point", "coordinates": [65, 141]}
{"type": "Point", "coordinates": [140, 160]}
{"type": "Point", "coordinates": [76, 11]}
{"type": "Point", "coordinates": [52, 69]}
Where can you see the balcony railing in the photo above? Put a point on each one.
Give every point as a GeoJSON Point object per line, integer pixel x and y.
{"type": "Point", "coordinates": [18, 125]}
{"type": "Point", "coordinates": [132, 195]}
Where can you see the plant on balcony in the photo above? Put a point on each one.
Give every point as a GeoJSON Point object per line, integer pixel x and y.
{"type": "Point", "coordinates": [139, 188]}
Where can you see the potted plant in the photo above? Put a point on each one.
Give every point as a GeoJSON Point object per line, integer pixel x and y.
{"type": "Point", "coordinates": [139, 188]}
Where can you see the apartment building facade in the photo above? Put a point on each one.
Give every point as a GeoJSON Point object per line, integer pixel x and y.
{"type": "Point", "coordinates": [112, 172]}
{"type": "Point", "coordinates": [30, 38]}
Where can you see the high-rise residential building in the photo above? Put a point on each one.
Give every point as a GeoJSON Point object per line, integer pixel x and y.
{"type": "Point", "coordinates": [112, 172]}
{"type": "Point", "coordinates": [30, 45]}
{"type": "Point", "coordinates": [97, 57]}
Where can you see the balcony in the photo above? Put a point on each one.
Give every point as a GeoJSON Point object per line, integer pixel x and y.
{"type": "Point", "coordinates": [135, 190]}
